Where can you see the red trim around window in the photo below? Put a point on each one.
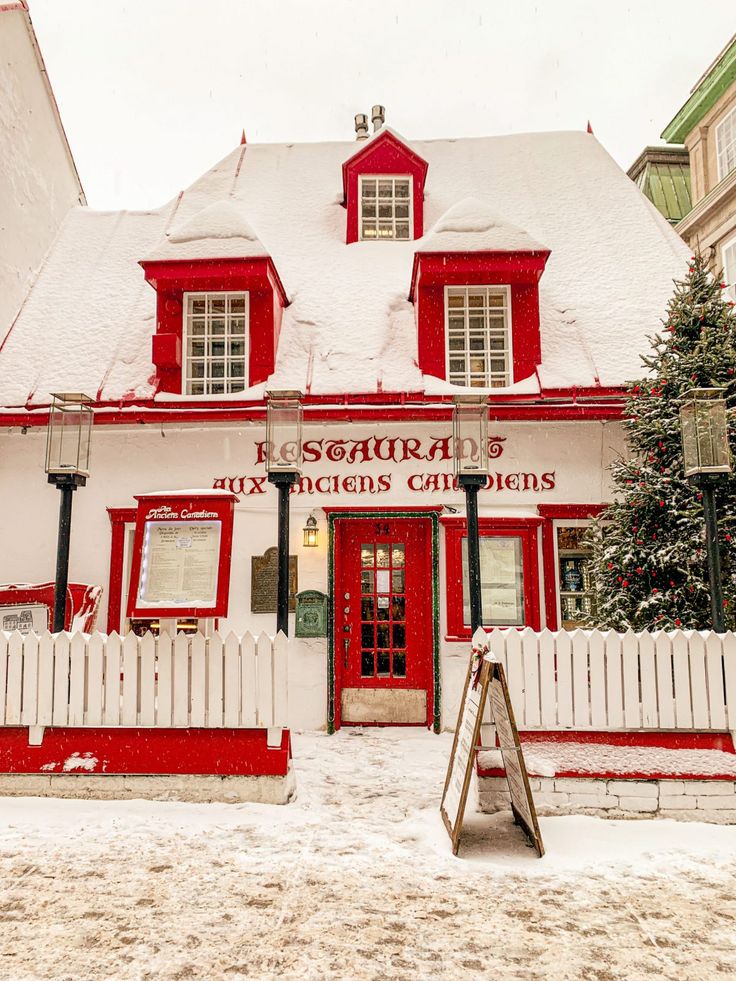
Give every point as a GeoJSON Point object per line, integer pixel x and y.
{"type": "Point", "coordinates": [455, 531]}
{"type": "Point", "coordinates": [520, 271]}
{"type": "Point", "coordinates": [551, 513]}
{"type": "Point", "coordinates": [119, 517]}
{"type": "Point", "coordinates": [266, 298]}
{"type": "Point", "coordinates": [384, 154]}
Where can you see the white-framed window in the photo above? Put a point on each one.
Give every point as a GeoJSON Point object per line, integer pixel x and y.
{"type": "Point", "coordinates": [385, 207]}
{"type": "Point", "coordinates": [215, 343]}
{"type": "Point", "coordinates": [478, 331]}
{"type": "Point", "coordinates": [726, 144]}
{"type": "Point", "coordinates": [728, 261]}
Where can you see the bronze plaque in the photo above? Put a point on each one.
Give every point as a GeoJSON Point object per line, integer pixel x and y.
{"type": "Point", "coordinates": [264, 578]}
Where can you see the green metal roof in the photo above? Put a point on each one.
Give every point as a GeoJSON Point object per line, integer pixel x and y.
{"type": "Point", "coordinates": [704, 96]}
{"type": "Point", "coordinates": [663, 175]}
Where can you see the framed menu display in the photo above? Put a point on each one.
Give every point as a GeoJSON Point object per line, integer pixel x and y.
{"type": "Point", "coordinates": [181, 554]}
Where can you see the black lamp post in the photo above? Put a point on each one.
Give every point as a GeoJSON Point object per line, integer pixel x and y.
{"type": "Point", "coordinates": [67, 465]}
{"type": "Point", "coordinates": [470, 437]}
{"type": "Point", "coordinates": [706, 455]}
{"type": "Point", "coordinates": [283, 465]}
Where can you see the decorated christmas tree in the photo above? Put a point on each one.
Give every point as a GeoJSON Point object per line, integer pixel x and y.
{"type": "Point", "coordinates": [649, 560]}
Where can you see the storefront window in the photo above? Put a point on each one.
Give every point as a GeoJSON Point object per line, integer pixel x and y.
{"type": "Point", "coordinates": [576, 589]}
{"type": "Point", "coordinates": [502, 582]}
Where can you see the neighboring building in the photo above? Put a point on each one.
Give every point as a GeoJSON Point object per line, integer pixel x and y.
{"type": "Point", "coordinates": [662, 173]}
{"type": "Point", "coordinates": [706, 124]}
{"type": "Point", "coordinates": [380, 278]}
{"type": "Point", "coordinates": [38, 180]}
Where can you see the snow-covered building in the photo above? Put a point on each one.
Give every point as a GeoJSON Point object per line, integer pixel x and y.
{"type": "Point", "coordinates": [38, 178]}
{"type": "Point", "coordinates": [380, 278]}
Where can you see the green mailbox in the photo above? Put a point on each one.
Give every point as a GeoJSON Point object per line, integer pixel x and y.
{"type": "Point", "coordinates": [311, 613]}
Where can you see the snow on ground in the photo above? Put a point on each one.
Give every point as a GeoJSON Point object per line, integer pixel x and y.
{"type": "Point", "coordinates": [356, 880]}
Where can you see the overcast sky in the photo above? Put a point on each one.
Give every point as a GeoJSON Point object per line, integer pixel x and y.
{"type": "Point", "coordinates": [153, 92]}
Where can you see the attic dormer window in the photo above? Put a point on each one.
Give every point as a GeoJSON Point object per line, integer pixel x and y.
{"type": "Point", "coordinates": [385, 207]}
{"type": "Point", "coordinates": [215, 333]}
{"type": "Point", "coordinates": [478, 336]}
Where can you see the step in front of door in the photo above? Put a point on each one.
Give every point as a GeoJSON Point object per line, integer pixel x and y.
{"type": "Point", "coordinates": [384, 706]}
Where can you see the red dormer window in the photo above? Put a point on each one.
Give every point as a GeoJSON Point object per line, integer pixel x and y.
{"type": "Point", "coordinates": [219, 306]}
{"type": "Point", "coordinates": [475, 287]}
{"type": "Point", "coordinates": [383, 190]}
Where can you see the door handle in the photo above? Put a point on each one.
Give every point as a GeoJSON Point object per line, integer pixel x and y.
{"type": "Point", "coordinates": [346, 644]}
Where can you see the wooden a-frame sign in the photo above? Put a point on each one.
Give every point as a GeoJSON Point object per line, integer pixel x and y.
{"type": "Point", "coordinates": [486, 679]}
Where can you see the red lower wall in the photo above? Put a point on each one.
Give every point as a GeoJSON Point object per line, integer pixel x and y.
{"type": "Point", "coordinates": [220, 752]}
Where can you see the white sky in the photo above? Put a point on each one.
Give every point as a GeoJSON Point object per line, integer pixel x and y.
{"type": "Point", "coordinates": [153, 92]}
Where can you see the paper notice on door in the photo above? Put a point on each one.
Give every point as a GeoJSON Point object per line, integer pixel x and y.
{"type": "Point", "coordinates": [180, 563]}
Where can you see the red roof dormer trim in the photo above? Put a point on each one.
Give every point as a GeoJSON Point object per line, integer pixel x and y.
{"type": "Point", "coordinates": [256, 276]}
{"type": "Point", "coordinates": [384, 153]}
{"type": "Point", "coordinates": [519, 270]}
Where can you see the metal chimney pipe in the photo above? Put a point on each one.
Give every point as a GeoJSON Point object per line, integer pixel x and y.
{"type": "Point", "coordinates": [378, 117]}
{"type": "Point", "coordinates": [361, 126]}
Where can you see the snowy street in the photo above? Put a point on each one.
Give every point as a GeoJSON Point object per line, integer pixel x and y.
{"type": "Point", "coordinates": [356, 880]}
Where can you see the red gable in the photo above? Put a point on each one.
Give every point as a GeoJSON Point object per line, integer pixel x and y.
{"type": "Point", "coordinates": [384, 153]}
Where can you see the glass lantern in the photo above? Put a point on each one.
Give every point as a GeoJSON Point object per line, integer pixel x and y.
{"type": "Point", "coordinates": [284, 432]}
{"type": "Point", "coordinates": [470, 435]}
{"type": "Point", "coordinates": [68, 434]}
{"type": "Point", "coordinates": [310, 532]}
{"type": "Point", "coordinates": [704, 427]}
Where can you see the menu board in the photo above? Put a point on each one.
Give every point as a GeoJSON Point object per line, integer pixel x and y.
{"type": "Point", "coordinates": [486, 678]}
{"type": "Point", "coordinates": [180, 563]}
{"type": "Point", "coordinates": [182, 553]}
{"type": "Point", "coordinates": [461, 760]}
{"type": "Point", "coordinates": [522, 803]}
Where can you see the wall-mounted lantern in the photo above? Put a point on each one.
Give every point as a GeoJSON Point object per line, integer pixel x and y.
{"type": "Point", "coordinates": [311, 532]}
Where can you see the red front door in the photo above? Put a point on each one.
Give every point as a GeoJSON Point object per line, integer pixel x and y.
{"type": "Point", "coordinates": [383, 621]}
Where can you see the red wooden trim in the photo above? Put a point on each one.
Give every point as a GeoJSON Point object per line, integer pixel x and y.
{"type": "Point", "coordinates": [119, 517]}
{"type": "Point", "coordinates": [118, 750]}
{"type": "Point", "coordinates": [570, 510]}
{"type": "Point", "coordinates": [423, 509]}
{"type": "Point", "coordinates": [673, 739]}
{"type": "Point", "coordinates": [549, 571]}
{"type": "Point", "coordinates": [524, 528]}
{"type": "Point", "coordinates": [223, 505]}
{"type": "Point", "coordinates": [195, 415]}
{"type": "Point", "coordinates": [452, 521]}
{"type": "Point", "coordinates": [550, 513]}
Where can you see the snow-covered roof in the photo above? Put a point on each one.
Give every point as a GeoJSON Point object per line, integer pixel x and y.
{"type": "Point", "coordinates": [87, 323]}
{"type": "Point", "coordinates": [218, 231]}
{"type": "Point", "coordinates": [471, 226]}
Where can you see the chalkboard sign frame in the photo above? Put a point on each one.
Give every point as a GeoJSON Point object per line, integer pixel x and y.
{"type": "Point", "coordinates": [486, 675]}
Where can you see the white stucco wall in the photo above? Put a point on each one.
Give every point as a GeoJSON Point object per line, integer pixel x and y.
{"type": "Point", "coordinates": [133, 460]}
{"type": "Point", "coordinates": [38, 182]}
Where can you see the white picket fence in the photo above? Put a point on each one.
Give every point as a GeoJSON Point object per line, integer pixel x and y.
{"type": "Point", "coordinates": [612, 681]}
{"type": "Point", "coordinates": [107, 680]}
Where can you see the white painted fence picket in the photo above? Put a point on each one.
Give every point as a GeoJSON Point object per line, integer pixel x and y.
{"type": "Point", "coordinates": [105, 680]}
{"type": "Point", "coordinates": [590, 679]}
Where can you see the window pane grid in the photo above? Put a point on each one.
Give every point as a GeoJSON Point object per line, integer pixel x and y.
{"type": "Point", "coordinates": [478, 337]}
{"type": "Point", "coordinates": [385, 208]}
{"type": "Point", "coordinates": [383, 611]}
{"type": "Point", "coordinates": [215, 343]}
{"type": "Point", "coordinates": [726, 145]}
